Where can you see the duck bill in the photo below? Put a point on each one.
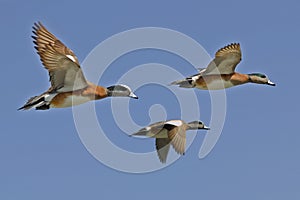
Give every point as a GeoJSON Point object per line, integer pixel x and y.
{"type": "Point", "coordinates": [270, 83]}
{"type": "Point", "coordinates": [206, 128]}
{"type": "Point", "coordinates": [132, 95]}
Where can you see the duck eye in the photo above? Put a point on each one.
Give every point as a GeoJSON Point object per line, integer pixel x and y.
{"type": "Point", "coordinates": [263, 76]}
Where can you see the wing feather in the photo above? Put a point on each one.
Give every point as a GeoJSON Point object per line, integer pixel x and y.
{"type": "Point", "coordinates": [225, 61]}
{"type": "Point", "coordinates": [178, 139]}
{"type": "Point", "coordinates": [60, 61]}
{"type": "Point", "coordinates": [162, 148]}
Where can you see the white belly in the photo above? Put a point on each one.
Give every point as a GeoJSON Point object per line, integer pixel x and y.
{"type": "Point", "coordinates": [76, 100]}
{"type": "Point", "coordinates": [217, 84]}
{"type": "Point", "coordinates": [72, 101]}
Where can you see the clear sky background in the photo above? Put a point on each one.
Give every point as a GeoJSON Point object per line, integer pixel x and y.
{"type": "Point", "coordinates": [257, 156]}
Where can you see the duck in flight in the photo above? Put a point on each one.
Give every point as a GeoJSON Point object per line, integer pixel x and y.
{"type": "Point", "coordinates": [169, 132]}
{"type": "Point", "coordinates": [68, 84]}
{"type": "Point", "coordinates": [220, 72]}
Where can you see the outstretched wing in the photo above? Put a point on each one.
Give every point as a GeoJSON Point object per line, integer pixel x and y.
{"type": "Point", "coordinates": [178, 139]}
{"type": "Point", "coordinates": [162, 148]}
{"type": "Point", "coordinates": [62, 64]}
{"type": "Point", "coordinates": [225, 61]}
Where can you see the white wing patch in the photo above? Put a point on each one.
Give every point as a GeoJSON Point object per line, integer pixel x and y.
{"type": "Point", "coordinates": [175, 122]}
{"type": "Point", "coordinates": [201, 70]}
{"type": "Point", "coordinates": [71, 58]}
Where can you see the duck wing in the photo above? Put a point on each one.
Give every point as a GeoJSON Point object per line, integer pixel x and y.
{"type": "Point", "coordinates": [151, 130]}
{"type": "Point", "coordinates": [162, 148]}
{"type": "Point", "coordinates": [60, 61]}
{"type": "Point", "coordinates": [178, 139]}
{"type": "Point", "coordinates": [225, 61]}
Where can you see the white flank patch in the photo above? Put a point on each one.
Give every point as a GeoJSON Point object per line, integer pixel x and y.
{"type": "Point", "coordinates": [76, 100]}
{"type": "Point", "coordinates": [194, 78]}
{"type": "Point", "coordinates": [49, 97]}
{"type": "Point", "coordinates": [175, 122]}
{"type": "Point", "coordinates": [71, 57]}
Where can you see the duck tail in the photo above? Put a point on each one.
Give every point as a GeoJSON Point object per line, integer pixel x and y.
{"type": "Point", "coordinates": [37, 102]}
{"type": "Point", "coordinates": [185, 83]}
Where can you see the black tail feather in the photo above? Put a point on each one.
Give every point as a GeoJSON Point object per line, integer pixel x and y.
{"type": "Point", "coordinates": [37, 102]}
{"type": "Point", "coordinates": [43, 107]}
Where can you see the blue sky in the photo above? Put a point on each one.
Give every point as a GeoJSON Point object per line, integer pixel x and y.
{"type": "Point", "coordinates": [257, 156]}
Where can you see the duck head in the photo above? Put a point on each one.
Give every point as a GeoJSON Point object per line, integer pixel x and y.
{"type": "Point", "coordinates": [197, 125]}
{"type": "Point", "coordinates": [260, 79]}
{"type": "Point", "coordinates": [120, 91]}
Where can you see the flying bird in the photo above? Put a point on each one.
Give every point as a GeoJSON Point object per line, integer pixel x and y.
{"type": "Point", "coordinates": [220, 72]}
{"type": "Point", "coordinates": [68, 84]}
{"type": "Point", "coordinates": [169, 132]}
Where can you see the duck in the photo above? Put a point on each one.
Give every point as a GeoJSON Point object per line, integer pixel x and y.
{"type": "Point", "coordinates": [171, 132]}
{"type": "Point", "coordinates": [220, 72]}
{"type": "Point", "coordinates": [69, 86]}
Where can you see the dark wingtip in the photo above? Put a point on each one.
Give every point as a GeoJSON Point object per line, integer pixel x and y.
{"type": "Point", "coordinates": [36, 26]}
